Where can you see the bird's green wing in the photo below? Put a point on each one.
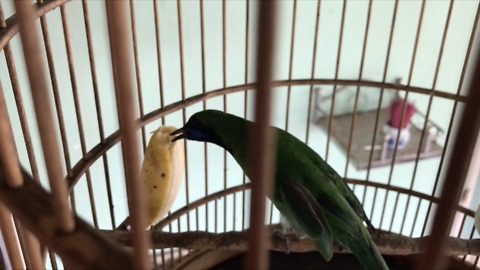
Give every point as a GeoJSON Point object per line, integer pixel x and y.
{"type": "Point", "coordinates": [308, 215]}
{"type": "Point", "coordinates": [345, 190]}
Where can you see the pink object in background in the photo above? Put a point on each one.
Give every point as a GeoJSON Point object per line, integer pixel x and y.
{"type": "Point", "coordinates": [396, 113]}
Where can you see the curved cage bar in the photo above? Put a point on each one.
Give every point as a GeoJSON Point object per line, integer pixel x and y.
{"type": "Point", "coordinates": [339, 67]}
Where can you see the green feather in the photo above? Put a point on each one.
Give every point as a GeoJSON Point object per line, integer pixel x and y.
{"type": "Point", "coordinates": [307, 191]}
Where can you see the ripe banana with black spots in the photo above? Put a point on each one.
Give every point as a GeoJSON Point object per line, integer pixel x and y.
{"type": "Point", "coordinates": [162, 173]}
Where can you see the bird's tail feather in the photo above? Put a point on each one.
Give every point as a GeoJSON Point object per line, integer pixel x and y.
{"type": "Point", "coordinates": [366, 252]}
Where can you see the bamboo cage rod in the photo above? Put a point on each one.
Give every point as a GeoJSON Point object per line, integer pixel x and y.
{"type": "Point", "coordinates": [429, 106]}
{"type": "Point", "coordinates": [32, 248]}
{"type": "Point", "coordinates": [312, 74]}
{"type": "Point", "coordinates": [204, 103]}
{"type": "Point", "coordinates": [10, 238]}
{"type": "Point", "coordinates": [337, 69]}
{"type": "Point", "coordinates": [78, 114]}
{"type": "Point", "coordinates": [159, 55]}
{"type": "Point", "coordinates": [245, 96]}
{"type": "Point", "coordinates": [52, 70]}
{"type": "Point", "coordinates": [9, 159]}
{"type": "Point", "coordinates": [8, 151]}
{"type": "Point", "coordinates": [382, 90]}
{"type": "Point", "coordinates": [454, 111]}
{"type": "Point", "coordinates": [184, 112]}
{"type": "Point", "coordinates": [402, 118]}
{"type": "Point", "coordinates": [404, 106]}
{"type": "Point", "coordinates": [457, 169]}
{"type": "Point", "coordinates": [121, 62]}
{"type": "Point", "coordinates": [261, 140]}
{"type": "Point", "coordinates": [43, 111]}
{"type": "Point", "coordinates": [225, 107]}
{"type": "Point", "coordinates": [139, 88]}
{"type": "Point", "coordinates": [160, 79]}
{"type": "Point", "coordinates": [98, 109]}
{"type": "Point", "coordinates": [138, 80]}
{"type": "Point", "coordinates": [290, 67]}
{"type": "Point", "coordinates": [357, 90]}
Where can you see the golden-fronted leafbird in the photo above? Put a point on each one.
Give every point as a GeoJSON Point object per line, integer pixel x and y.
{"type": "Point", "coordinates": [306, 190]}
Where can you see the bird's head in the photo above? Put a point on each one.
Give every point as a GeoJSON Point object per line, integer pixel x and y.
{"type": "Point", "coordinates": [202, 126]}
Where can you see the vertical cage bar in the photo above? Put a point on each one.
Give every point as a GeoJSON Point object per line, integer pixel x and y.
{"type": "Point", "coordinates": [31, 243]}
{"type": "Point", "coordinates": [53, 261]}
{"type": "Point", "coordinates": [122, 63]}
{"type": "Point", "coordinates": [159, 55]}
{"type": "Point", "coordinates": [58, 103]}
{"type": "Point", "coordinates": [384, 77]}
{"type": "Point", "coordinates": [98, 109]}
{"type": "Point", "coordinates": [10, 162]}
{"type": "Point", "coordinates": [290, 66]}
{"type": "Point", "coordinates": [137, 69]}
{"type": "Point", "coordinates": [245, 104]}
{"type": "Point", "coordinates": [78, 113]}
{"type": "Point", "coordinates": [415, 217]}
{"type": "Point", "coordinates": [430, 101]}
{"type": "Point", "coordinates": [261, 142]}
{"type": "Point", "coordinates": [162, 254]}
{"type": "Point", "coordinates": [379, 105]}
{"type": "Point", "coordinates": [312, 75]}
{"type": "Point", "coordinates": [160, 79]}
{"type": "Point", "coordinates": [357, 91]}
{"type": "Point", "coordinates": [10, 238]}
{"type": "Point", "coordinates": [21, 112]}
{"type": "Point", "coordinates": [224, 79]}
{"type": "Point", "coordinates": [184, 111]}
{"type": "Point", "coordinates": [21, 242]}
{"type": "Point", "coordinates": [402, 116]}
{"type": "Point", "coordinates": [56, 96]}
{"type": "Point", "coordinates": [8, 151]}
{"type": "Point", "coordinates": [32, 249]}
{"type": "Point", "coordinates": [204, 103]}
{"type": "Point", "coordinates": [454, 110]}
{"type": "Point", "coordinates": [337, 69]}
{"type": "Point", "coordinates": [43, 111]}
{"type": "Point", "coordinates": [457, 169]}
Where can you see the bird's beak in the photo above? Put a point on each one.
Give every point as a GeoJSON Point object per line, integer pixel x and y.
{"type": "Point", "coordinates": [181, 132]}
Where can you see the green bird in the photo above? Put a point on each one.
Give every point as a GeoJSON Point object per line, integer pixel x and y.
{"type": "Point", "coordinates": [307, 191]}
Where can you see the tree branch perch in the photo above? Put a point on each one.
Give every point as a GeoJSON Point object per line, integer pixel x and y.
{"type": "Point", "coordinates": [84, 247]}
{"type": "Point", "coordinates": [388, 243]}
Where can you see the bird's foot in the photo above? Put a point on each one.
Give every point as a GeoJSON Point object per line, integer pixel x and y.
{"type": "Point", "coordinates": [285, 236]}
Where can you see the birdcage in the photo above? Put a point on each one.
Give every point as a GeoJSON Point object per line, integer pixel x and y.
{"type": "Point", "coordinates": [385, 91]}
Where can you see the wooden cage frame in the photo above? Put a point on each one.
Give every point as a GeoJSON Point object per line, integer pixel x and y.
{"type": "Point", "coordinates": [49, 219]}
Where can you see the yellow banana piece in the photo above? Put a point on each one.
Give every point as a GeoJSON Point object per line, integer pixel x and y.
{"type": "Point", "coordinates": [162, 172]}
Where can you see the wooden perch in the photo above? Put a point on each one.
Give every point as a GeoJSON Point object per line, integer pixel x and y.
{"type": "Point", "coordinates": [388, 243]}
{"type": "Point", "coordinates": [85, 247]}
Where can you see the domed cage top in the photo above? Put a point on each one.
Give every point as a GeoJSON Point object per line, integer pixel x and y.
{"type": "Point", "coordinates": [387, 92]}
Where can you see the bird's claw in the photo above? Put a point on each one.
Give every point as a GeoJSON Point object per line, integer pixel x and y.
{"type": "Point", "coordinates": [285, 236]}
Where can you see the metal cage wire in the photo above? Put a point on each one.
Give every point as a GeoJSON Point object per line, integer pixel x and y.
{"type": "Point", "coordinates": [210, 55]}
